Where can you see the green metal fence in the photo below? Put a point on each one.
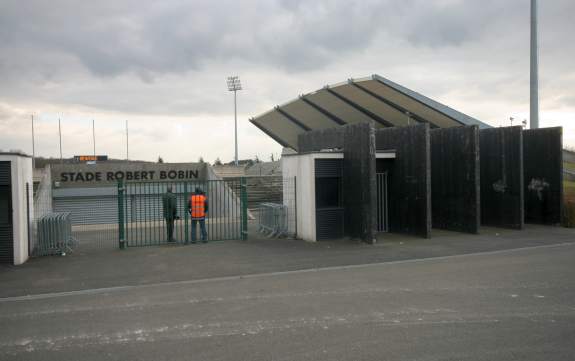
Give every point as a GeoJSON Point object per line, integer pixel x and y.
{"type": "Point", "coordinates": [140, 213]}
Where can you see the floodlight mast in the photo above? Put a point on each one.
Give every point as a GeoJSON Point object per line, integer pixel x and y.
{"type": "Point", "coordinates": [534, 86]}
{"type": "Point", "coordinates": [234, 85]}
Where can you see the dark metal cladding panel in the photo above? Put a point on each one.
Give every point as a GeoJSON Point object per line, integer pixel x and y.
{"type": "Point", "coordinates": [455, 179]}
{"type": "Point", "coordinates": [6, 244]}
{"type": "Point", "coordinates": [409, 178]}
{"type": "Point", "coordinates": [331, 138]}
{"type": "Point", "coordinates": [6, 224]}
{"type": "Point", "coordinates": [543, 175]}
{"type": "Point", "coordinates": [329, 223]}
{"type": "Point", "coordinates": [501, 163]}
{"type": "Point", "coordinates": [5, 173]}
{"type": "Point", "coordinates": [327, 168]}
{"type": "Point", "coordinates": [359, 182]}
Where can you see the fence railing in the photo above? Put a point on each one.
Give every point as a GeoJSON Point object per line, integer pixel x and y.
{"type": "Point", "coordinates": [42, 199]}
{"type": "Point", "coordinates": [142, 220]}
{"type": "Point", "coordinates": [273, 219]}
{"type": "Point", "coordinates": [54, 235]}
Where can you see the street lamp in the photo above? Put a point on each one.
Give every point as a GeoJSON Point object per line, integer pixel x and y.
{"type": "Point", "coordinates": [234, 85]}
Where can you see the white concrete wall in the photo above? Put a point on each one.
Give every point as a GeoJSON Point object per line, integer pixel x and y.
{"type": "Point", "coordinates": [302, 166]}
{"type": "Point", "coordinates": [21, 168]}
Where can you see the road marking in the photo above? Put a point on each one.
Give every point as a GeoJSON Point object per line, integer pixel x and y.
{"type": "Point", "coordinates": [92, 291]}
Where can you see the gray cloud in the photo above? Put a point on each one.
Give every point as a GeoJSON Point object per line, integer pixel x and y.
{"type": "Point", "coordinates": [113, 37]}
{"type": "Point", "coordinates": [171, 57]}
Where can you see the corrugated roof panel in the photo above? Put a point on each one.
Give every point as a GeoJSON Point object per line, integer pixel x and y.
{"type": "Point", "coordinates": [372, 104]}
{"type": "Point", "coordinates": [414, 107]}
{"type": "Point", "coordinates": [280, 126]}
{"type": "Point", "coordinates": [339, 108]}
{"type": "Point", "coordinates": [374, 99]}
{"type": "Point", "coordinates": [308, 115]}
{"type": "Point", "coordinates": [463, 118]}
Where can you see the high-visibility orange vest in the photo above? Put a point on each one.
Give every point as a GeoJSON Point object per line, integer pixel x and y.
{"type": "Point", "coordinates": [197, 202]}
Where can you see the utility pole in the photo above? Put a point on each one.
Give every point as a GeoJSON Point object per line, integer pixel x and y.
{"type": "Point", "coordinates": [33, 146]}
{"type": "Point", "coordinates": [534, 76]}
{"type": "Point", "coordinates": [127, 144]}
{"type": "Point", "coordinates": [94, 138]}
{"type": "Point", "coordinates": [60, 136]}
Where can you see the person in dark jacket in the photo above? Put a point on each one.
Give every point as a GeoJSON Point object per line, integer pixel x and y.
{"type": "Point", "coordinates": [169, 206]}
{"type": "Point", "coordinates": [198, 209]}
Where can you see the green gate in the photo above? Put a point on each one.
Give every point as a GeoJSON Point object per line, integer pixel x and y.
{"type": "Point", "coordinates": [140, 213]}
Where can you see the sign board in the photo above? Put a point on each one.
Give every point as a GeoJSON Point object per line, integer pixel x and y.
{"type": "Point", "coordinates": [90, 158]}
{"type": "Point", "coordinates": [108, 174]}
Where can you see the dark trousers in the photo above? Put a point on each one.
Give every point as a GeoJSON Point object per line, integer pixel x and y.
{"type": "Point", "coordinates": [170, 228]}
{"type": "Point", "coordinates": [204, 233]}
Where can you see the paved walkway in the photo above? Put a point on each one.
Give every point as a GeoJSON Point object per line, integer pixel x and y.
{"type": "Point", "coordinates": [503, 305]}
{"type": "Point", "coordinates": [152, 265]}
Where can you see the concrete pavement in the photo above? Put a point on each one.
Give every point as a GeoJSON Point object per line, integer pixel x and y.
{"type": "Point", "coordinates": [514, 304]}
{"type": "Point", "coordinates": [149, 265]}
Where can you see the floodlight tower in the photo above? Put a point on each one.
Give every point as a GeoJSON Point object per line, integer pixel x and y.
{"type": "Point", "coordinates": [534, 86]}
{"type": "Point", "coordinates": [234, 85]}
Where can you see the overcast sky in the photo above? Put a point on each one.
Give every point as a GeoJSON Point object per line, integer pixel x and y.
{"type": "Point", "coordinates": [163, 65]}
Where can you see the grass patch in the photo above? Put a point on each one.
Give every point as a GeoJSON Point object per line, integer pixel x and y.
{"type": "Point", "coordinates": [569, 214]}
{"type": "Point", "coordinates": [569, 188]}
{"type": "Point", "coordinates": [569, 204]}
{"type": "Point", "coordinates": [568, 165]}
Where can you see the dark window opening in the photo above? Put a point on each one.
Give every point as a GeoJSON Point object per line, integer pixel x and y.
{"type": "Point", "coordinates": [328, 192]}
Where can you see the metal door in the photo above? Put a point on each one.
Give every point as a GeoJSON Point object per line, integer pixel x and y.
{"type": "Point", "coordinates": [382, 203]}
{"type": "Point", "coordinates": [6, 225]}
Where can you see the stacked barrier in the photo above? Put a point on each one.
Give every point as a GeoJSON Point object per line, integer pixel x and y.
{"type": "Point", "coordinates": [54, 234]}
{"type": "Point", "coordinates": [273, 219]}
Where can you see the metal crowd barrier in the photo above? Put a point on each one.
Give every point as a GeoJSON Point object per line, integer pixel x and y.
{"type": "Point", "coordinates": [54, 234]}
{"type": "Point", "coordinates": [273, 219]}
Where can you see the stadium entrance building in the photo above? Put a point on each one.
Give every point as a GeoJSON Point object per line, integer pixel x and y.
{"type": "Point", "coordinates": [372, 156]}
{"type": "Point", "coordinates": [78, 188]}
{"type": "Point", "coordinates": [113, 204]}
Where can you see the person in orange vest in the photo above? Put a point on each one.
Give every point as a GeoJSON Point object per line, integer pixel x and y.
{"type": "Point", "coordinates": [198, 208]}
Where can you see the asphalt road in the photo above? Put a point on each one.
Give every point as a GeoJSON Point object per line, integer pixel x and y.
{"type": "Point", "coordinates": [502, 305]}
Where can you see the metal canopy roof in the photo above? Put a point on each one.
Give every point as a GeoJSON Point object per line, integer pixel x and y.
{"type": "Point", "coordinates": [375, 99]}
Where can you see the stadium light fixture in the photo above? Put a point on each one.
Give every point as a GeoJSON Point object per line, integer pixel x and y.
{"type": "Point", "coordinates": [234, 85]}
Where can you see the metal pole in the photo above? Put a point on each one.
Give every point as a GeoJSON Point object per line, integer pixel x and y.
{"type": "Point", "coordinates": [127, 144]}
{"type": "Point", "coordinates": [33, 146]}
{"type": "Point", "coordinates": [60, 135]}
{"type": "Point", "coordinates": [534, 86]}
{"type": "Point", "coordinates": [94, 138]}
{"type": "Point", "coordinates": [236, 126]}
